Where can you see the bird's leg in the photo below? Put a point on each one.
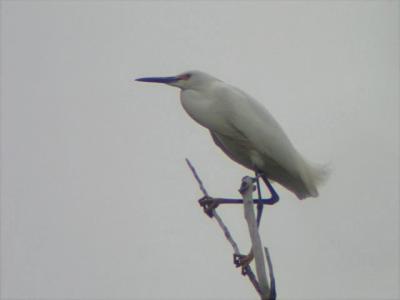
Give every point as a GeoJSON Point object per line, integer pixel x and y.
{"type": "Point", "coordinates": [260, 205]}
{"type": "Point", "coordinates": [274, 195]}
{"type": "Point", "coordinates": [209, 203]}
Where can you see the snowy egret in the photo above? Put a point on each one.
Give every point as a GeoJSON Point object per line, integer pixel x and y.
{"type": "Point", "coordinates": [245, 131]}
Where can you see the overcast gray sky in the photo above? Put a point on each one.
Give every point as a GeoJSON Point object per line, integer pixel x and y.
{"type": "Point", "coordinates": [96, 199]}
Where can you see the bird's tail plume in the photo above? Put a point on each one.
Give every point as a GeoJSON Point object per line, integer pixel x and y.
{"type": "Point", "coordinates": [320, 173]}
{"type": "Point", "coordinates": [317, 175]}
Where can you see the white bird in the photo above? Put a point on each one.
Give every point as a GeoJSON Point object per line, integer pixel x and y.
{"type": "Point", "coordinates": [245, 131]}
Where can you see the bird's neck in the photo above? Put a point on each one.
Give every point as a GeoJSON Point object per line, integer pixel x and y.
{"type": "Point", "coordinates": [196, 105]}
{"type": "Point", "coordinates": [204, 109]}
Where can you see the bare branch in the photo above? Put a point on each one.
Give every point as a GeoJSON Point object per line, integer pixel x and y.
{"type": "Point", "coordinates": [247, 193]}
{"type": "Point", "coordinates": [214, 213]}
{"type": "Point", "coordinates": [247, 269]}
{"type": "Point", "coordinates": [202, 188]}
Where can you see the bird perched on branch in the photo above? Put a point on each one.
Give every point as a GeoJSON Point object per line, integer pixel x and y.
{"type": "Point", "coordinates": [245, 131]}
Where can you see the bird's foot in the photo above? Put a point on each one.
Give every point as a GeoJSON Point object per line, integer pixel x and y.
{"type": "Point", "coordinates": [274, 195]}
{"type": "Point", "coordinates": [243, 261]}
{"type": "Point", "coordinates": [208, 204]}
{"type": "Point", "coordinates": [270, 201]}
{"type": "Point", "coordinates": [246, 185]}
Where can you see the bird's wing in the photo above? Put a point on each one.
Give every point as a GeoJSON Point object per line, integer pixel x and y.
{"type": "Point", "coordinates": [249, 121]}
{"type": "Point", "coordinates": [251, 136]}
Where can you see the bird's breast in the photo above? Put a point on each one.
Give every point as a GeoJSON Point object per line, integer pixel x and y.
{"type": "Point", "coordinates": [205, 110]}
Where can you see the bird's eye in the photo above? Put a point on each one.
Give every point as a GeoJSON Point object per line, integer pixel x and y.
{"type": "Point", "coordinates": [185, 76]}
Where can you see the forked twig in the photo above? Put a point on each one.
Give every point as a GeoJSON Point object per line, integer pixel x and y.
{"type": "Point", "coordinates": [247, 190]}
{"type": "Point", "coordinates": [246, 270]}
{"type": "Point", "coordinates": [202, 188]}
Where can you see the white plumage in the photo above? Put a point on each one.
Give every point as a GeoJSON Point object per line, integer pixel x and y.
{"type": "Point", "coordinates": [245, 131]}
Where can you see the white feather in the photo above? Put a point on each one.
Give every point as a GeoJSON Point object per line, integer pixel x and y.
{"type": "Point", "coordinates": [249, 134]}
{"type": "Point", "coordinates": [245, 131]}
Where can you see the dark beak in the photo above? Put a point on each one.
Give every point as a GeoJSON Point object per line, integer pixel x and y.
{"type": "Point", "coordinates": [158, 79]}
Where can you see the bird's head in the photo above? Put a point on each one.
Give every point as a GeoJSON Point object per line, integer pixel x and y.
{"type": "Point", "coordinates": [187, 80]}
